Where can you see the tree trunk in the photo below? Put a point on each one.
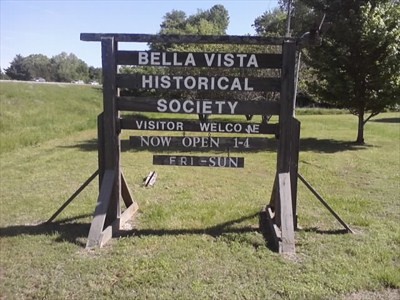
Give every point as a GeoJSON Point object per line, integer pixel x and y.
{"type": "Point", "coordinates": [360, 132]}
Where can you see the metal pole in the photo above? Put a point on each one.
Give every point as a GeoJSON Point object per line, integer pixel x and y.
{"type": "Point", "coordinates": [288, 18]}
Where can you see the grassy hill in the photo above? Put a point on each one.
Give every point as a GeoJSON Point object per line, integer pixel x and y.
{"type": "Point", "coordinates": [196, 232]}
{"type": "Point", "coordinates": [31, 113]}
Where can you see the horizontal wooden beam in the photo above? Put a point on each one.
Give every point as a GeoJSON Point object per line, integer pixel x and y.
{"type": "Point", "coordinates": [220, 107]}
{"type": "Point", "coordinates": [197, 59]}
{"type": "Point", "coordinates": [198, 126]}
{"type": "Point", "coordinates": [199, 143]}
{"type": "Point", "coordinates": [199, 161]}
{"type": "Point", "coordinates": [185, 39]}
{"type": "Point", "coordinates": [198, 83]}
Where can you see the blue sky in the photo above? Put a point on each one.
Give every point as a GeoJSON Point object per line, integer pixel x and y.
{"type": "Point", "coordinates": [51, 27]}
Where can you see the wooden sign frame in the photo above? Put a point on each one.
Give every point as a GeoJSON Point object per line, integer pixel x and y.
{"type": "Point", "coordinates": [280, 213]}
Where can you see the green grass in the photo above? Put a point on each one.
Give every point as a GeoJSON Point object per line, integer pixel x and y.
{"type": "Point", "coordinates": [196, 232]}
{"type": "Point", "coordinates": [31, 113]}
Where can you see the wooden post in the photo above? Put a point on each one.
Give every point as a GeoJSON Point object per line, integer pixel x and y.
{"type": "Point", "coordinates": [285, 184]}
{"type": "Point", "coordinates": [110, 118]}
{"type": "Point", "coordinates": [108, 209]}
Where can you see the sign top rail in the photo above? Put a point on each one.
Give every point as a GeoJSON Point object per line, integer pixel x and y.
{"type": "Point", "coordinates": [186, 39]}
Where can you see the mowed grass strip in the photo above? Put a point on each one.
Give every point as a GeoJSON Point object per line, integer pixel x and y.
{"type": "Point", "coordinates": [196, 232]}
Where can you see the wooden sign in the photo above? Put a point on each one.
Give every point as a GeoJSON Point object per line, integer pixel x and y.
{"type": "Point", "coordinates": [197, 126]}
{"type": "Point", "coordinates": [197, 83]}
{"type": "Point", "coordinates": [196, 59]}
{"type": "Point", "coordinates": [199, 161]}
{"type": "Point", "coordinates": [225, 107]}
{"type": "Point", "coordinates": [198, 143]}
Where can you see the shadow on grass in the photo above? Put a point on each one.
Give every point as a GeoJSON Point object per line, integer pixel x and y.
{"type": "Point", "coordinates": [223, 229]}
{"type": "Point", "coordinates": [319, 231]}
{"type": "Point", "coordinates": [66, 231]}
{"type": "Point", "coordinates": [329, 145]}
{"type": "Point", "coordinates": [387, 120]}
{"type": "Point", "coordinates": [77, 233]}
{"type": "Point", "coordinates": [306, 145]}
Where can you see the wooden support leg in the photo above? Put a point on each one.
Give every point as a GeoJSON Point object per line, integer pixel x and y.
{"type": "Point", "coordinates": [277, 224]}
{"type": "Point", "coordinates": [287, 229]}
{"type": "Point", "coordinates": [96, 236]}
{"type": "Point", "coordinates": [131, 205]}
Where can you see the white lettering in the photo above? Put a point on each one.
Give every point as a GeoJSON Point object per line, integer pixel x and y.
{"type": "Point", "coordinates": [165, 82]}
{"type": "Point", "coordinates": [190, 60]}
{"type": "Point", "coordinates": [232, 106]}
{"type": "Point", "coordinates": [143, 58]}
{"type": "Point", "coordinates": [219, 83]}
{"type": "Point", "coordinates": [229, 62]}
{"type": "Point", "coordinates": [162, 105]}
{"type": "Point", "coordinates": [155, 58]}
{"type": "Point", "coordinates": [209, 59]}
{"type": "Point", "coordinates": [241, 59]}
{"type": "Point", "coordinates": [252, 61]}
{"type": "Point", "coordinates": [246, 85]}
{"type": "Point", "coordinates": [185, 108]}
{"type": "Point", "coordinates": [148, 81]}
{"type": "Point", "coordinates": [236, 84]}
{"type": "Point", "coordinates": [192, 85]}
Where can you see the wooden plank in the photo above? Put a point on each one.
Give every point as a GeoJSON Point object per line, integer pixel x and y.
{"type": "Point", "coordinates": [186, 39]}
{"type": "Point", "coordinates": [96, 227]}
{"type": "Point", "coordinates": [100, 147]}
{"type": "Point", "coordinates": [287, 227]}
{"type": "Point", "coordinates": [294, 165]}
{"type": "Point", "coordinates": [287, 103]}
{"type": "Point", "coordinates": [74, 195]}
{"type": "Point", "coordinates": [106, 235]}
{"type": "Point", "coordinates": [128, 213]}
{"type": "Point", "coordinates": [199, 143]}
{"type": "Point", "coordinates": [224, 107]}
{"type": "Point", "coordinates": [198, 83]}
{"type": "Point", "coordinates": [125, 191]}
{"type": "Point", "coordinates": [319, 197]}
{"type": "Point", "coordinates": [197, 59]}
{"type": "Point", "coordinates": [197, 126]}
{"type": "Point", "coordinates": [199, 161]}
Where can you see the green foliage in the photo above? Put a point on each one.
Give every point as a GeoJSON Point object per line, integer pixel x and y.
{"type": "Point", "coordinates": [38, 65]}
{"type": "Point", "coordinates": [357, 66]}
{"type": "Point", "coordinates": [274, 23]}
{"type": "Point", "coordinates": [17, 70]}
{"type": "Point", "coordinates": [60, 68]}
{"type": "Point", "coordinates": [68, 67]}
{"type": "Point", "coordinates": [213, 21]}
{"type": "Point", "coordinates": [271, 23]}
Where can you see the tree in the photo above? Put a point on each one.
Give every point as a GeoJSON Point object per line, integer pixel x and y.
{"type": "Point", "coordinates": [68, 67]}
{"type": "Point", "coordinates": [358, 64]}
{"type": "Point", "coordinates": [271, 23]}
{"type": "Point", "coordinates": [17, 69]}
{"type": "Point", "coordinates": [3, 76]}
{"type": "Point", "coordinates": [95, 74]}
{"type": "Point", "coordinates": [37, 65]}
{"type": "Point", "coordinates": [213, 21]}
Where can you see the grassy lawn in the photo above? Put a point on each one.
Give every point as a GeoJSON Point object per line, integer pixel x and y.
{"type": "Point", "coordinates": [196, 234]}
